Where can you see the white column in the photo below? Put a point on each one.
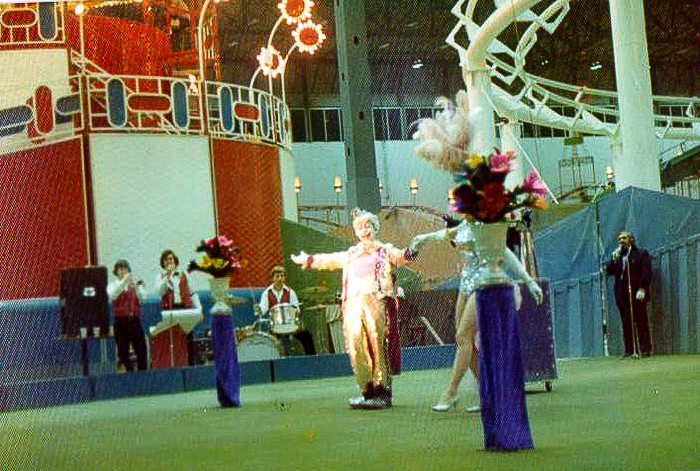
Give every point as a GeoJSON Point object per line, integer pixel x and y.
{"type": "Point", "coordinates": [616, 152]}
{"type": "Point", "coordinates": [510, 134]}
{"type": "Point", "coordinates": [480, 112]}
{"type": "Point", "coordinates": [638, 163]}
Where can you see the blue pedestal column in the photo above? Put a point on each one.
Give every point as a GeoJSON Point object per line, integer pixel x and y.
{"type": "Point", "coordinates": [228, 373]}
{"type": "Point", "coordinates": [502, 384]}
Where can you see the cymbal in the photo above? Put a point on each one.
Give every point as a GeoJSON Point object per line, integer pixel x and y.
{"type": "Point", "coordinates": [315, 290]}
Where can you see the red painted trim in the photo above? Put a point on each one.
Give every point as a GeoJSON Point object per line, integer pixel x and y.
{"type": "Point", "coordinates": [246, 111]}
{"type": "Point", "coordinates": [141, 102]}
{"type": "Point", "coordinates": [43, 104]}
{"type": "Point", "coordinates": [249, 205]}
{"type": "Point", "coordinates": [41, 209]}
{"type": "Point", "coordinates": [19, 18]}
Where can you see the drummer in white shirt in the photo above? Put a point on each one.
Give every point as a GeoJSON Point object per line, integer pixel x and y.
{"type": "Point", "coordinates": [279, 293]}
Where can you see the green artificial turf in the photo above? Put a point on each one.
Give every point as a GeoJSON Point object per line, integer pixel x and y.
{"type": "Point", "coordinates": [602, 414]}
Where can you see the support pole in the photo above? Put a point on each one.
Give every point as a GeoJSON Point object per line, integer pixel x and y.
{"type": "Point", "coordinates": [637, 165]}
{"type": "Point", "coordinates": [480, 113]}
{"type": "Point", "coordinates": [356, 104]}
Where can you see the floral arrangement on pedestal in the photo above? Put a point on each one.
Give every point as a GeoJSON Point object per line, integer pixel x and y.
{"type": "Point", "coordinates": [221, 257]}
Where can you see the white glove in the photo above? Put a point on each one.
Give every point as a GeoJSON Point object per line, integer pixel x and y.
{"type": "Point", "coordinates": [301, 258]}
{"type": "Point", "coordinates": [640, 294]}
{"type": "Point", "coordinates": [516, 267]}
{"type": "Point", "coordinates": [536, 291]}
{"type": "Point", "coordinates": [416, 243]}
{"type": "Point", "coordinates": [616, 254]}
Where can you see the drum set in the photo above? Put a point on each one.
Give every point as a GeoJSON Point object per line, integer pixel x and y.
{"type": "Point", "coordinates": [260, 341]}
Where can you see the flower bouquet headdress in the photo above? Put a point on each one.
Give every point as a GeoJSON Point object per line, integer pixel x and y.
{"type": "Point", "coordinates": [221, 257]}
{"type": "Point", "coordinates": [480, 193]}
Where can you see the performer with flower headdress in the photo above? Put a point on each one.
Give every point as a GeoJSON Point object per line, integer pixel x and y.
{"type": "Point", "coordinates": [461, 237]}
{"type": "Point", "coordinates": [367, 293]}
{"type": "Point", "coordinates": [482, 196]}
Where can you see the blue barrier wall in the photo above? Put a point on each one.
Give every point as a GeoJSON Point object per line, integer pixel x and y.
{"type": "Point", "coordinates": [53, 392]}
{"type": "Point", "coordinates": [31, 347]}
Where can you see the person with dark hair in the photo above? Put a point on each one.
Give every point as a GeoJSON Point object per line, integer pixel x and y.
{"type": "Point", "coordinates": [279, 293]}
{"type": "Point", "coordinates": [173, 286]}
{"type": "Point", "coordinates": [631, 267]}
{"type": "Point", "coordinates": [176, 293]}
{"type": "Point", "coordinates": [126, 294]}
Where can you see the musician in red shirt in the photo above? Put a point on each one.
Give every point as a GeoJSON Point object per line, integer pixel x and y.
{"type": "Point", "coordinates": [280, 293]}
{"type": "Point", "coordinates": [173, 285]}
{"type": "Point", "coordinates": [126, 294]}
{"type": "Point", "coordinates": [175, 292]}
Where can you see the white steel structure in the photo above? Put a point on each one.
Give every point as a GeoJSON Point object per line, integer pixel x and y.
{"type": "Point", "coordinates": [486, 61]}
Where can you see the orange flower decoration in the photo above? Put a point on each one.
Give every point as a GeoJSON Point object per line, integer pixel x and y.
{"type": "Point", "coordinates": [271, 61]}
{"type": "Point", "coordinates": [308, 36]}
{"type": "Point", "coordinates": [295, 11]}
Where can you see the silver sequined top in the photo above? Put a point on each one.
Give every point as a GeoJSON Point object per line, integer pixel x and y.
{"type": "Point", "coordinates": [472, 263]}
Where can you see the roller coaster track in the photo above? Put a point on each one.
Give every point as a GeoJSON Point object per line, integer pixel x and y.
{"type": "Point", "coordinates": [531, 98]}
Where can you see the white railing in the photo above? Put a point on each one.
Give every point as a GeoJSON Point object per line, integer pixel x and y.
{"type": "Point", "coordinates": [129, 103]}
{"type": "Point", "coordinates": [244, 113]}
{"type": "Point", "coordinates": [133, 103]}
{"type": "Point", "coordinates": [25, 125]}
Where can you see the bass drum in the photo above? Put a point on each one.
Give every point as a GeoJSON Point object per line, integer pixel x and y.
{"type": "Point", "coordinates": [257, 346]}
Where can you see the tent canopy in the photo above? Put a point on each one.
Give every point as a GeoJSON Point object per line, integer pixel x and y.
{"type": "Point", "coordinates": [570, 248]}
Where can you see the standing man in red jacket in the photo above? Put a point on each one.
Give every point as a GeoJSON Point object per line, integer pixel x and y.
{"type": "Point", "coordinates": [126, 294]}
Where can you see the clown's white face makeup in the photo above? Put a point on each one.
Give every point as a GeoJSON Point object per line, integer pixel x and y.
{"type": "Point", "coordinates": [364, 230]}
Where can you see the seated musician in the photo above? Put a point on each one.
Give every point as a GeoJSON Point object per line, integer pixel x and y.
{"type": "Point", "coordinates": [279, 293]}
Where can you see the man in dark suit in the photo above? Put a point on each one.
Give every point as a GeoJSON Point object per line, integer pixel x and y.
{"type": "Point", "coordinates": [631, 267]}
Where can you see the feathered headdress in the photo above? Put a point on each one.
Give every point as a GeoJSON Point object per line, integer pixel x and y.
{"type": "Point", "coordinates": [444, 140]}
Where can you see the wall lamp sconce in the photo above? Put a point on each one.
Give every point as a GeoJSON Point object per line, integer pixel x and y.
{"type": "Point", "coordinates": [337, 184]}
{"type": "Point", "coordinates": [609, 175]}
{"type": "Point", "coordinates": [297, 184]}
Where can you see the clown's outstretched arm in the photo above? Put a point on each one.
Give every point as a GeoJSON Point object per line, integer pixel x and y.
{"type": "Point", "coordinates": [420, 240]}
{"type": "Point", "coordinates": [399, 257]}
{"type": "Point", "coordinates": [516, 267]}
{"type": "Point", "coordinates": [321, 261]}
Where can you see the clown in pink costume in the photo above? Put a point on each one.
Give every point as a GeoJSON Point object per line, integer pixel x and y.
{"type": "Point", "coordinates": [368, 292]}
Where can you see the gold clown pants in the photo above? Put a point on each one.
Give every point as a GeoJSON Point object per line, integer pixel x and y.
{"type": "Point", "coordinates": [364, 326]}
